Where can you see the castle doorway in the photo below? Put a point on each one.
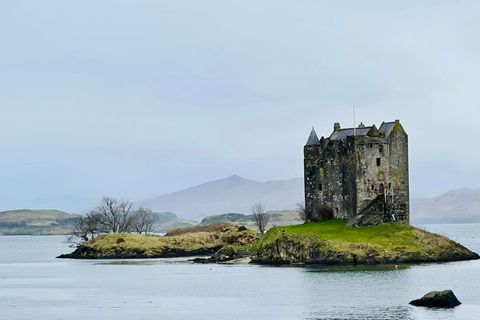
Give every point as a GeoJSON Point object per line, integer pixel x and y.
{"type": "Point", "coordinates": [380, 188]}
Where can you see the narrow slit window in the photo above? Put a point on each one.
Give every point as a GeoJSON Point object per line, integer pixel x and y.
{"type": "Point", "coordinates": [389, 185]}
{"type": "Point", "coordinates": [320, 187]}
{"type": "Point", "coordinates": [378, 162]}
{"type": "Point", "coordinates": [321, 163]}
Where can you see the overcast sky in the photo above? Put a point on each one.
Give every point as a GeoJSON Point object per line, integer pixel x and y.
{"type": "Point", "coordinates": [136, 99]}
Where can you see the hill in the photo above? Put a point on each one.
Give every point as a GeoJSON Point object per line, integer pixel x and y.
{"type": "Point", "coordinates": [167, 221]}
{"type": "Point", "coordinates": [277, 218]}
{"type": "Point", "coordinates": [456, 206]}
{"type": "Point", "coordinates": [36, 222]}
{"type": "Point", "coordinates": [233, 194]}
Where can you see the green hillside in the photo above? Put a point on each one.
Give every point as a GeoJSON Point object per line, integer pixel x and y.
{"type": "Point", "coordinates": [277, 218]}
{"type": "Point", "coordinates": [36, 222]}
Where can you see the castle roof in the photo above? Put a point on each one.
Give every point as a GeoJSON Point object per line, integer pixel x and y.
{"type": "Point", "coordinates": [313, 139]}
{"type": "Point", "coordinates": [386, 128]}
{"type": "Point", "coordinates": [380, 135]}
{"type": "Point", "coordinates": [342, 134]}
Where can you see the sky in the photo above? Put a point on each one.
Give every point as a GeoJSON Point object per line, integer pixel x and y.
{"type": "Point", "coordinates": [136, 99]}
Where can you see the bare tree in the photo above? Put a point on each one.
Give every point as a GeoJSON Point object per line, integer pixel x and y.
{"type": "Point", "coordinates": [260, 217]}
{"type": "Point", "coordinates": [302, 212]}
{"type": "Point", "coordinates": [116, 217]}
{"type": "Point", "coordinates": [86, 227]}
{"type": "Point", "coordinates": [143, 220]}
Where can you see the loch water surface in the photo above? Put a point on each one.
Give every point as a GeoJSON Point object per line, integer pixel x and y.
{"type": "Point", "coordinates": [35, 285]}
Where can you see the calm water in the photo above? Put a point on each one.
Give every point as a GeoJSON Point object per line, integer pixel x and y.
{"type": "Point", "coordinates": [34, 285]}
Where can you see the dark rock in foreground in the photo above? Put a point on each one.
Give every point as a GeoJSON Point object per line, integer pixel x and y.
{"type": "Point", "coordinates": [437, 299]}
{"type": "Point", "coordinates": [225, 254]}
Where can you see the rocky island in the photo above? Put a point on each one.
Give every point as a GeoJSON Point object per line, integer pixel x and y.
{"type": "Point", "coordinates": [196, 241]}
{"type": "Point", "coordinates": [333, 242]}
{"type": "Point", "coordinates": [322, 243]}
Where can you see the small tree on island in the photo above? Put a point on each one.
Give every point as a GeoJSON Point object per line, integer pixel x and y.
{"type": "Point", "coordinates": [260, 217]}
{"type": "Point", "coordinates": [111, 216]}
{"type": "Point", "coordinates": [116, 216]}
{"type": "Point", "coordinates": [143, 220]}
{"type": "Point", "coordinates": [86, 227]}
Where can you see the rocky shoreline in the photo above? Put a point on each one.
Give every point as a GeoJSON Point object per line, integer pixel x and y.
{"type": "Point", "coordinates": [86, 252]}
{"type": "Point", "coordinates": [286, 250]}
{"type": "Point", "coordinates": [333, 242]}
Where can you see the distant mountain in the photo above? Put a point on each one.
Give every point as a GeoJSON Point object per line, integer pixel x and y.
{"type": "Point", "coordinates": [456, 206]}
{"type": "Point", "coordinates": [277, 218]}
{"type": "Point", "coordinates": [233, 194]}
{"type": "Point", "coordinates": [167, 221]}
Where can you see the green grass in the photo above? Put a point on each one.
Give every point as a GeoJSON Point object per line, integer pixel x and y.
{"type": "Point", "coordinates": [385, 235]}
{"type": "Point", "coordinates": [334, 235]}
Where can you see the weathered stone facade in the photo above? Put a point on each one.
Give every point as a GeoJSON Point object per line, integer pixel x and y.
{"type": "Point", "coordinates": [360, 173]}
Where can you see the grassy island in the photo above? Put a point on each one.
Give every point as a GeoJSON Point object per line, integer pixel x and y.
{"type": "Point", "coordinates": [329, 242]}
{"type": "Point", "coordinates": [201, 240]}
{"type": "Point", "coordinates": [332, 242]}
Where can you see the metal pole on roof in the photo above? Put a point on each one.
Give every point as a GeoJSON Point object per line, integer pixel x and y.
{"type": "Point", "coordinates": [354, 125]}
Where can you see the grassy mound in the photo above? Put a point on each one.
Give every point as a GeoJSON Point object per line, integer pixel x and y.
{"type": "Point", "coordinates": [36, 222]}
{"type": "Point", "coordinates": [195, 242]}
{"type": "Point", "coordinates": [332, 242]}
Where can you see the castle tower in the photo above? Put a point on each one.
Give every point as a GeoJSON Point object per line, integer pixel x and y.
{"type": "Point", "coordinates": [361, 174]}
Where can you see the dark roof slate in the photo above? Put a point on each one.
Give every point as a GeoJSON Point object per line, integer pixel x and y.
{"type": "Point", "coordinates": [342, 134]}
{"type": "Point", "coordinates": [313, 139]}
{"type": "Point", "coordinates": [386, 128]}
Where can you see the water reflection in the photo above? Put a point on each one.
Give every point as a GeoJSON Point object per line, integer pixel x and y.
{"type": "Point", "coordinates": [364, 313]}
{"type": "Point", "coordinates": [146, 262]}
{"type": "Point", "coordinates": [358, 268]}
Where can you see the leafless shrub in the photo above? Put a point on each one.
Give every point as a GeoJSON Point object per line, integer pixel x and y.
{"type": "Point", "coordinates": [142, 221]}
{"type": "Point", "coordinates": [86, 228]}
{"type": "Point", "coordinates": [302, 212]}
{"type": "Point", "coordinates": [260, 217]}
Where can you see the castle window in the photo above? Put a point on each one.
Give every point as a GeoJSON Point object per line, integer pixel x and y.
{"type": "Point", "coordinates": [373, 187]}
{"type": "Point", "coordinates": [378, 162]}
{"type": "Point", "coordinates": [321, 163]}
{"type": "Point", "coordinates": [371, 145]}
{"type": "Point", "coordinates": [389, 185]}
{"type": "Point", "coordinates": [320, 187]}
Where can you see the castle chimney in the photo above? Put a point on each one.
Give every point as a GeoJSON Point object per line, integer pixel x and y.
{"type": "Point", "coordinates": [336, 126]}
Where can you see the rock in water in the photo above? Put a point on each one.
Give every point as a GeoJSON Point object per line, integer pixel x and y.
{"type": "Point", "coordinates": [437, 299]}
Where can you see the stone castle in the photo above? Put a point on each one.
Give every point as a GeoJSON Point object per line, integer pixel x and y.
{"type": "Point", "coordinates": [359, 174]}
